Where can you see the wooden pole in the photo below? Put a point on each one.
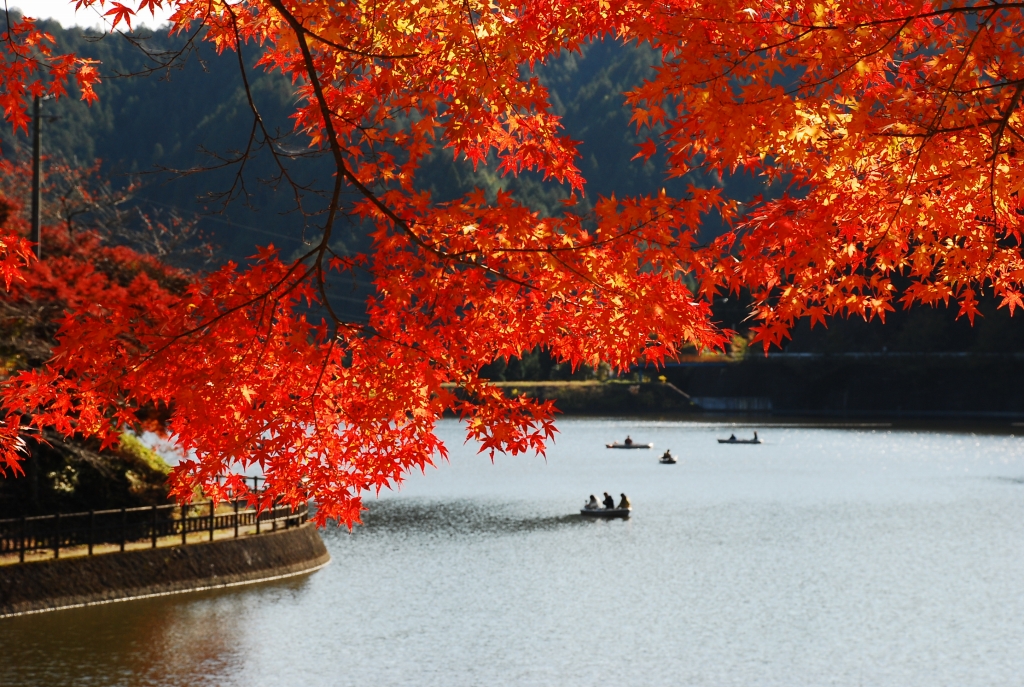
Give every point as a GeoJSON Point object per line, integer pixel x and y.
{"type": "Point", "coordinates": [153, 533]}
{"type": "Point", "coordinates": [92, 520]}
{"type": "Point", "coordinates": [37, 204]}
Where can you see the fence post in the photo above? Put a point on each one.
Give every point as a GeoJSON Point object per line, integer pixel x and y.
{"type": "Point", "coordinates": [273, 516]}
{"type": "Point", "coordinates": [184, 524]}
{"type": "Point", "coordinates": [212, 517]}
{"type": "Point", "coordinates": [56, 535]}
{"type": "Point", "coordinates": [92, 521]}
{"type": "Point", "coordinates": [124, 526]}
{"type": "Point", "coordinates": [153, 534]}
{"type": "Point", "coordinates": [257, 509]}
{"type": "Point", "coordinates": [21, 546]}
{"type": "Point", "coordinates": [236, 518]}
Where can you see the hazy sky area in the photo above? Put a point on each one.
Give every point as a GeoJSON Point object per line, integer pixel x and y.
{"type": "Point", "coordinates": [64, 12]}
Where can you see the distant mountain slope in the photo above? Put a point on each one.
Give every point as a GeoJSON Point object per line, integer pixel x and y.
{"type": "Point", "coordinates": [167, 119]}
{"type": "Point", "coordinates": [175, 118]}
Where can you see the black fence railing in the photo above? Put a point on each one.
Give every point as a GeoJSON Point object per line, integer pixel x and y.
{"type": "Point", "coordinates": [130, 526]}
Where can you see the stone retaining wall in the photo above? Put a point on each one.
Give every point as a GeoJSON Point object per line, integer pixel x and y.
{"type": "Point", "coordinates": [69, 582]}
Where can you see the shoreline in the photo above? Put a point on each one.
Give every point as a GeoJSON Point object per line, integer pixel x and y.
{"type": "Point", "coordinates": [623, 398]}
{"type": "Point", "coordinates": [62, 583]}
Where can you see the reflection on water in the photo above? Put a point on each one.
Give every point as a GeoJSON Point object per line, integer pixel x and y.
{"type": "Point", "coordinates": [841, 556]}
{"type": "Point", "coordinates": [461, 517]}
{"type": "Point", "coordinates": [193, 639]}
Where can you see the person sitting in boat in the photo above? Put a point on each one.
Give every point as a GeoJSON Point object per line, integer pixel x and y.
{"type": "Point", "coordinates": [755, 435]}
{"type": "Point", "coordinates": [628, 441]}
{"type": "Point", "coordinates": [667, 456]}
{"type": "Point", "coordinates": [609, 502]}
{"type": "Point", "coordinates": [732, 437]}
{"type": "Point", "coordinates": [624, 503]}
{"type": "Point", "coordinates": [592, 504]}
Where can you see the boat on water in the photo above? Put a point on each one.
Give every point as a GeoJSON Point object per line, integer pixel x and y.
{"type": "Point", "coordinates": [733, 440]}
{"type": "Point", "coordinates": [667, 459]}
{"type": "Point", "coordinates": [605, 512]}
{"type": "Point", "coordinates": [629, 443]}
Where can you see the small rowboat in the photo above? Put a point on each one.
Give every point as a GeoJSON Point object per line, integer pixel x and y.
{"type": "Point", "coordinates": [667, 459]}
{"type": "Point", "coordinates": [605, 512]}
{"type": "Point", "coordinates": [633, 445]}
{"type": "Point", "coordinates": [739, 441]}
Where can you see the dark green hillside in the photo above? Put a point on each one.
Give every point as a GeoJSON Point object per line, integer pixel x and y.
{"type": "Point", "coordinates": [177, 118]}
{"type": "Point", "coordinates": [587, 92]}
{"type": "Point", "coordinates": [187, 116]}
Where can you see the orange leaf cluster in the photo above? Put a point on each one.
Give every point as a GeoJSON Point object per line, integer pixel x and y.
{"type": "Point", "coordinates": [30, 67]}
{"type": "Point", "coordinates": [896, 126]}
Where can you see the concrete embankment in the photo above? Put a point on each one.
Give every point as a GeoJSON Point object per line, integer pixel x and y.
{"type": "Point", "coordinates": [70, 582]}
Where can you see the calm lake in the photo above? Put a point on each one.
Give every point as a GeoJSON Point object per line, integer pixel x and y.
{"type": "Point", "coordinates": [826, 556]}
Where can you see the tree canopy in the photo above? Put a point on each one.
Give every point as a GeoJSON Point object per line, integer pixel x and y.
{"type": "Point", "coordinates": [895, 127]}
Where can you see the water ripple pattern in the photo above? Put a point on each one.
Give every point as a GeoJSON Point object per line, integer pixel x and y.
{"type": "Point", "coordinates": [825, 556]}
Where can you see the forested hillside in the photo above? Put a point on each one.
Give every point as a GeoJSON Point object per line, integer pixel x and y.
{"type": "Point", "coordinates": [195, 114]}
{"type": "Point", "coordinates": [151, 120]}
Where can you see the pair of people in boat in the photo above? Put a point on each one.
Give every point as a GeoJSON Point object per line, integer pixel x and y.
{"type": "Point", "coordinates": [608, 503]}
{"type": "Point", "coordinates": [732, 437]}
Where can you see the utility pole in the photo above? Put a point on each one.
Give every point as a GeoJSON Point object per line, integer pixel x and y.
{"type": "Point", "coordinates": [36, 176]}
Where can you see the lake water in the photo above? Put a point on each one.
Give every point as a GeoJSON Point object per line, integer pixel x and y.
{"type": "Point", "coordinates": [826, 556]}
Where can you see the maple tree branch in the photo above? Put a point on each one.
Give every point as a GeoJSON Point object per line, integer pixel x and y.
{"type": "Point", "coordinates": [346, 173]}
{"type": "Point", "coordinates": [947, 92]}
{"type": "Point", "coordinates": [933, 132]}
{"type": "Point", "coordinates": [258, 121]}
{"type": "Point", "coordinates": [997, 138]}
{"type": "Point", "coordinates": [973, 9]}
{"type": "Point", "coordinates": [164, 59]}
{"type": "Point", "coordinates": [1004, 121]}
{"type": "Point", "coordinates": [342, 168]}
{"type": "Point", "coordinates": [479, 45]}
{"type": "Point", "coordinates": [20, 53]}
{"type": "Point", "coordinates": [332, 136]}
{"type": "Point", "coordinates": [594, 243]}
{"type": "Point", "coordinates": [321, 283]}
{"type": "Point", "coordinates": [244, 304]}
{"type": "Point", "coordinates": [939, 111]}
{"type": "Point", "coordinates": [906, 21]}
{"type": "Point", "coordinates": [354, 51]}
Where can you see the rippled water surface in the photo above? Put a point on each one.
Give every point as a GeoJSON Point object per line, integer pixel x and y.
{"type": "Point", "coordinates": [826, 556]}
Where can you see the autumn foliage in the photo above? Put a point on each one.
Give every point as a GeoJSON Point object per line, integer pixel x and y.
{"type": "Point", "coordinates": [896, 125]}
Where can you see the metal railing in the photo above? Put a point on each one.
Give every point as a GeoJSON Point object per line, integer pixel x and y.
{"type": "Point", "coordinates": [121, 527]}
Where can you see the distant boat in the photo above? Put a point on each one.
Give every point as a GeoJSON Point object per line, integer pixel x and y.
{"type": "Point", "coordinates": [633, 445]}
{"type": "Point", "coordinates": [605, 512]}
{"type": "Point", "coordinates": [667, 459]}
{"type": "Point", "coordinates": [734, 440]}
